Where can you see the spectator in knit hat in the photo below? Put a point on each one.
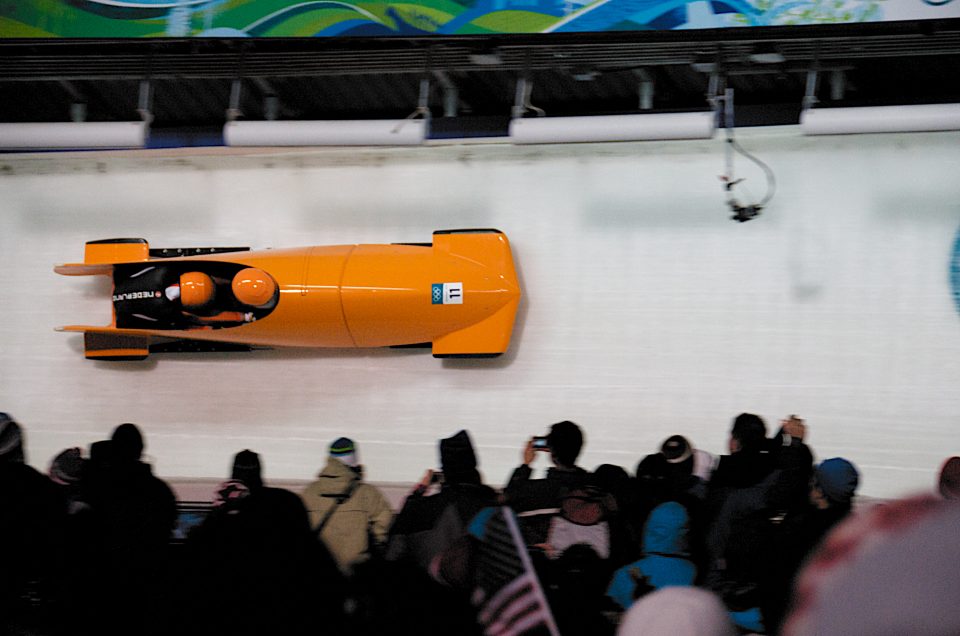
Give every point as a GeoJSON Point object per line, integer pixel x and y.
{"type": "Point", "coordinates": [31, 514]}
{"type": "Point", "coordinates": [949, 483]}
{"type": "Point", "coordinates": [832, 489]}
{"type": "Point", "coordinates": [835, 482]}
{"type": "Point", "coordinates": [351, 516]}
{"type": "Point", "coordinates": [66, 470]}
{"type": "Point", "coordinates": [136, 511]}
{"type": "Point", "coordinates": [11, 441]}
{"type": "Point", "coordinates": [458, 461]}
{"type": "Point", "coordinates": [132, 515]}
{"type": "Point", "coordinates": [247, 470]}
{"type": "Point", "coordinates": [429, 524]}
{"type": "Point", "coordinates": [255, 553]}
{"type": "Point", "coordinates": [67, 467]}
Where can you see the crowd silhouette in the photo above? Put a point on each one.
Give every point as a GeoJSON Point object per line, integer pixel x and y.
{"type": "Point", "coordinates": [765, 539]}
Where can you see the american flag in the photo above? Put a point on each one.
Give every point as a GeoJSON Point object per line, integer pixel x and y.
{"type": "Point", "coordinates": [507, 593]}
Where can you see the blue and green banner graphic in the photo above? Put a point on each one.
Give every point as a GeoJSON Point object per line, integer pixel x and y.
{"type": "Point", "coordinates": [326, 18]}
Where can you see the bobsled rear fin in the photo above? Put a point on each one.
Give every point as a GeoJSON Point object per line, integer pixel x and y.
{"type": "Point", "coordinates": [115, 347]}
{"type": "Point", "coordinates": [80, 269]}
{"type": "Point", "coordinates": [118, 250]}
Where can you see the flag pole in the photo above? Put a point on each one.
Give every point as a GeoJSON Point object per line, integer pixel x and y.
{"type": "Point", "coordinates": [528, 566]}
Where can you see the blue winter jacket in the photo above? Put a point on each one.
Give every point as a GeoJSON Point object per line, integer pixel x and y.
{"type": "Point", "coordinates": [666, 558]}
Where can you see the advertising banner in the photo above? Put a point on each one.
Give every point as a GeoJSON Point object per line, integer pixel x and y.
{"type": "Point", "coordinates": [415, 18]}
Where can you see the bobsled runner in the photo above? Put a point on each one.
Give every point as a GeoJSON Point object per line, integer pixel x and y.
{"type": "Point", "coordinates": [457, 295]}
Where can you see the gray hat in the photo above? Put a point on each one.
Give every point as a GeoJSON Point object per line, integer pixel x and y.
{"type": "Point", "coordinates": [66, 468]}
{"type": "Point", "coordinates": [11, 440]}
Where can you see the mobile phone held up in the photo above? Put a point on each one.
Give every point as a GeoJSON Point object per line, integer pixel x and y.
{"type": "Point", "coordinates": [540, 443]}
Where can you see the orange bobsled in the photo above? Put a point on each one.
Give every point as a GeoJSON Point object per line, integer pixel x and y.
{"type": "Point", "coordinates": [458, 295]}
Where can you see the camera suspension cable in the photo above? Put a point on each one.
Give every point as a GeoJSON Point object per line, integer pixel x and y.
{"type": "Point", "coordinates": [741, 212]}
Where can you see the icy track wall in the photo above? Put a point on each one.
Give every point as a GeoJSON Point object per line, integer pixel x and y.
{"type": "Point", "coordinates": [646, 310]}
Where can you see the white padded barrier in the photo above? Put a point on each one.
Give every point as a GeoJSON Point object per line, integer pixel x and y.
{"type": "Point", "coordinates": [377, 132]}
{"type": "Point", "coordinates": [648, 127]}
{"type": "Point", "coordinates": [63, 135]}
{"type": "Point", "coordinates": [880, 119]}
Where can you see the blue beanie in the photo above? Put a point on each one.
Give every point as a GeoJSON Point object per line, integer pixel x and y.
{"type": "Point", "coordinates": [838, 479]}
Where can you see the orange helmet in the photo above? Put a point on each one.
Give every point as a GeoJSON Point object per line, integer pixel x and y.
{"type": "Point", "coordinates": [196, 289]}
{"type": "Point", "coordinates": [253, 286]}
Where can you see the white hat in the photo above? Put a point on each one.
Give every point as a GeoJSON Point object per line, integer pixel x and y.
{"type": "Point", "coordinates": [677, 611]}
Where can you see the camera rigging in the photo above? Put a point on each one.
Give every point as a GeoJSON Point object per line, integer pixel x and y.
{"type": "Point", "coordinates": [742, 212]}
